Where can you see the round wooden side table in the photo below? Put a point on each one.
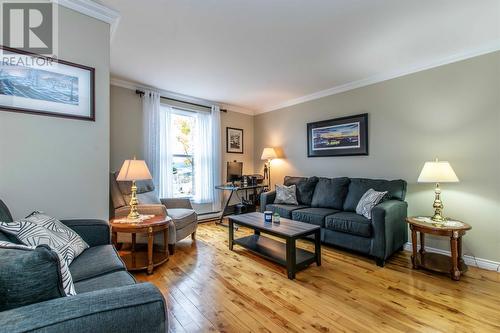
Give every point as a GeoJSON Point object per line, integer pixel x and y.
{"type": "Point", "coordinates": [142, 257]}
{"type": "Point", "coordinates": [453, 265]}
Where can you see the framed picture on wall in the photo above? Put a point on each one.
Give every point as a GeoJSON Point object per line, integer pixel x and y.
{"type": "Point", "coordinates": [234, 140]}
{"type": "Point", "coordinates": [32, 83]}
{"type": "Point", "coordinates": [344, 136]}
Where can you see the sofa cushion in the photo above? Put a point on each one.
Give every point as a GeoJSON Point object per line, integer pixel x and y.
{"type": "Point", "coordinates": [182, 217]}
{"type": "Point", "coordinates": [96, 261]}
{"type": "Point", "coordinates": [330, 193]}
{"type": "Point", "coordinates": [5, 216]}
{"type": "Point", "coordinates": [313, 215]}
{"type": "Point", "coordinates": [111, 280]}
{"type": "Point", "coordinates": [350, 223]}
{"type": "Point", "coordinates": [284, 210]}
{"type": "Point", "coordinates": [305, 188]}
{"type": "Point", "coordinates": [396, 189]}
{"type": "Point", "coordinates": [28, 276]}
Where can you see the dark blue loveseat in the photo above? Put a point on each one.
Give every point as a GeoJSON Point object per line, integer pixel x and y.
{"type": "Point", "coordinates": [108, 298]}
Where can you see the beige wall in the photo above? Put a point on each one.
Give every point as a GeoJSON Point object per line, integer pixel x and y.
{"type": "Point", "coordinates": [452, 112]}
{"type": "Point", "coordinates": [61, 165]}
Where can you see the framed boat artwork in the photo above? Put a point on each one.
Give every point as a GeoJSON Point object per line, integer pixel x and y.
{"type": "Point", "coordinates": [344, 136]}
{"type": "Point", "coordinates": [35, 84]}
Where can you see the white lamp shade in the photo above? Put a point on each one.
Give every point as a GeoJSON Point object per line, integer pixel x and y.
{"type": "Point", "coordinates": [134, 170]}
{"type": "Point", "coordinates": [268, 154]}
{"type": "Point", "coordinates": [437, 172]}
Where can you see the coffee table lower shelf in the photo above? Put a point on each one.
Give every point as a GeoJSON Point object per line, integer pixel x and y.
{"type": "Point", "coordinates": [275, 251]}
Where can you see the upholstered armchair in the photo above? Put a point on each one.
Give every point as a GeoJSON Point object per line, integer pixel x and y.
{"type": "Point", "coordinates": [184, 219]}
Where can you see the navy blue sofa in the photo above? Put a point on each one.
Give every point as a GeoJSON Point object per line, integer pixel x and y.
{"type": "Point", "coordinates": [108, 298]}
{"type": "Point", "coordinates": [331, 203]}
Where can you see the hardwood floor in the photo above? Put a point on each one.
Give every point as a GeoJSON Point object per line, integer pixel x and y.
{"type": "Point", "coordinates": [211, 289]}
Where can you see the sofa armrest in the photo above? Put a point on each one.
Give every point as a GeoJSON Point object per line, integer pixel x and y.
{"type": "Point", "coordinates": [94, 232]}
{"type": "Point", "coordinates": [135, 308]}
{"type": "Point", "coordinates": [266, 198]}
{"type": "Point", "coordinates": [389, 227]}
{"type": "Point", "coordinates": [172, 203]}
{"type": "Point", "coordinates": [145, 209]}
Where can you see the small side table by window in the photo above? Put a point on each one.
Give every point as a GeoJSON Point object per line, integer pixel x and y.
{"type": "Point", "coordinates": [453, 265]}
{"type": "Point", "coordinates": [140, 256]}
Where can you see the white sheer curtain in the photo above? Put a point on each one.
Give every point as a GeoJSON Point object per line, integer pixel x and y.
{"type": "Point", "coordinates": [151, 131]}
{"type": "Point", "coordinates": [207, 158]}
{"type": "Point", "coordinates": [157, 151]}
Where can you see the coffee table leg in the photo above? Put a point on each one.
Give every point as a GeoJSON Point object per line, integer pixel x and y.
{"type": "Point", "coordinates": [231, 234]}
{"type": "Point", "coordinates": [150, 251]}
{"type": "Point", "coordinates": [317, 247]}
{"type": "Point", "coordinates": [290, 258]}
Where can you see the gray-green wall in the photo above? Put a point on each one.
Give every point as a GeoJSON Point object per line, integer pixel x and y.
{"type": "Point", "coordinates": [56, 165]}
{"type": "Point", "coordinates": [452, 112]}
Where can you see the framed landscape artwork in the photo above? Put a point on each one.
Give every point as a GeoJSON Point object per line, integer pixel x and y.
{"type": "Point", "coordinates": [338, 137]}
{"type": "Point", "coordinates": [234, 140]}
{"type": "Point", "coordinates": [36, 84]}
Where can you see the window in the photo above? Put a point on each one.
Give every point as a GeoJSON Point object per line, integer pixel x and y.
{"type": "Point", "coordinates": [183, 124]}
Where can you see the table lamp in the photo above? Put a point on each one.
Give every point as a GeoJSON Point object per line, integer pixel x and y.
{"type": "Point", "coordinates": [437, 172]}
{"type": "Point", "coordinates": [133, 170]}
{"type": "Point", "coordinates": [268, 154]}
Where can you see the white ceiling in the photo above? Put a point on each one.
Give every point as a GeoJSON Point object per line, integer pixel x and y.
{"type": "Point", "coordinates": [262, 54]}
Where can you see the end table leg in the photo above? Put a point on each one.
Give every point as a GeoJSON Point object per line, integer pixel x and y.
{"type": "Point", "coordinates": [414, 246]}
{"type": "Point", "coordinates": [317, 247]}
{"type": "Point", "coordinates": [165, 242]}
{"type": "Point", "coordinates": [455, 272]}
{"type": "Point", "coordinates": [114, 238]}
{"type": "Point", "coordinates": [290, 258]}
{"type": "Point", "coordinates": [150, 251]}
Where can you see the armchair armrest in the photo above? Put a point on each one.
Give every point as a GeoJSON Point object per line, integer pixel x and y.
{"type": "Point", "coordinates": [137, 308]}
{"type": "Point", "coordinates": [145, 209]}
{"type": "Point", "coordinates": [94, 232]}
{"type": "Point", "coordinates": [389, 227]}
{"type": "Point", "coordinates": [266, 198]}
{"type": "Point", "coordinates": [171, 203]}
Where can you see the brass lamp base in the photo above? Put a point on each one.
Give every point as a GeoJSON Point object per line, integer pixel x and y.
{"type": "Point", "coordinates": [134, 214]}
{"type": "Point", "coordinates": [438, 206]}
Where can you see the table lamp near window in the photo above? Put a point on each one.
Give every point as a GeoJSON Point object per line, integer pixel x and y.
{"type": "Point", "coordinates": [437, 172]}
{"type": "Point", "coordinates": [268, 154]}
{"type": "Point", "coordinates": [133, 170]}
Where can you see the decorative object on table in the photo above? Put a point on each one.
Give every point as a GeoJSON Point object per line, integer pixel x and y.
{"type": "Point", "coordinates": [370, 199]}
{"type": "Point", "coordinates": [276, 218]}
{"type": "Point", "coordinates": [140, 219]}
{"type": "Point", "coordinates": [134, 170]}
{"type": "Point", "coordinates": [234, 140]}
{"type": "Point", "coordinates": [268, 216]}
{"type": "Point", "coordinates": [344, 136]}
{"type": "Point", "coordinates": [41, 85]}
{"type": "Point", "coordinates": [286, 195]}
{"type": "Point", "coordinates": [453, 265]}
{"type": "Point", "coordinates": [437, 172]}
{"type": "Point", "coordinates": [143, 256]}
{"type": "Point", "coordinates": [268, 154]}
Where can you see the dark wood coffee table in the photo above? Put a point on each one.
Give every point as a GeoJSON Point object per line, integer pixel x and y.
{"type": "Point", "coordinates": [285, 254]}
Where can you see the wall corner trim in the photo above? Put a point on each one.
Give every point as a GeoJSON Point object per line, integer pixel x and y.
{"type": "Point", "coordinates": [95, 10]}
{"type": "Point", "coordinates": [489, 265]}
{"type": "Point", "coordinates": [490, 47]}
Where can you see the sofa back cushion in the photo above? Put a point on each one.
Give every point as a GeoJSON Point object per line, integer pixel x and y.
{"type": "Point", "coordinates": [29, 276]}
{"type": "Point", "coordinates": [330, 193]}
{"type": "Point", "coordinates": [5, 216]}
{"type": "Point", "coordinates": [305, 188]}
{"type": "Point", "coordinates": [396, 189]}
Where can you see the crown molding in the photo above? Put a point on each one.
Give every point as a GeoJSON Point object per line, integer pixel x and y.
{"type": "Point", "coordinates": [169, 94]}
{"type": "Point", "coordinates": [469, 260]}
{"type": "Point", "coordinates": [95, 10]}
{"type": "Point", "coordinates": [471, 53]}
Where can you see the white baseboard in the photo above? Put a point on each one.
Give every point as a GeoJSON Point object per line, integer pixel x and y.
{"type": "Point", "coordinates": [469, 260]}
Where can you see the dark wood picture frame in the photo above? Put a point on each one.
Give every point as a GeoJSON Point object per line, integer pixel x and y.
{"type": "Point", "coordinates": [91, 70]}
{"type": "Point", "coordinates": [359, 142]}
{"type": "Point", "coordinates": [228, 148]}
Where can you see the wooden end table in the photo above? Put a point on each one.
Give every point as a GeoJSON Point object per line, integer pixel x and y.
{"type": "Point", "coordinates": [453, 265]}
{"type": "Point", "coordinates": [143, 257]}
